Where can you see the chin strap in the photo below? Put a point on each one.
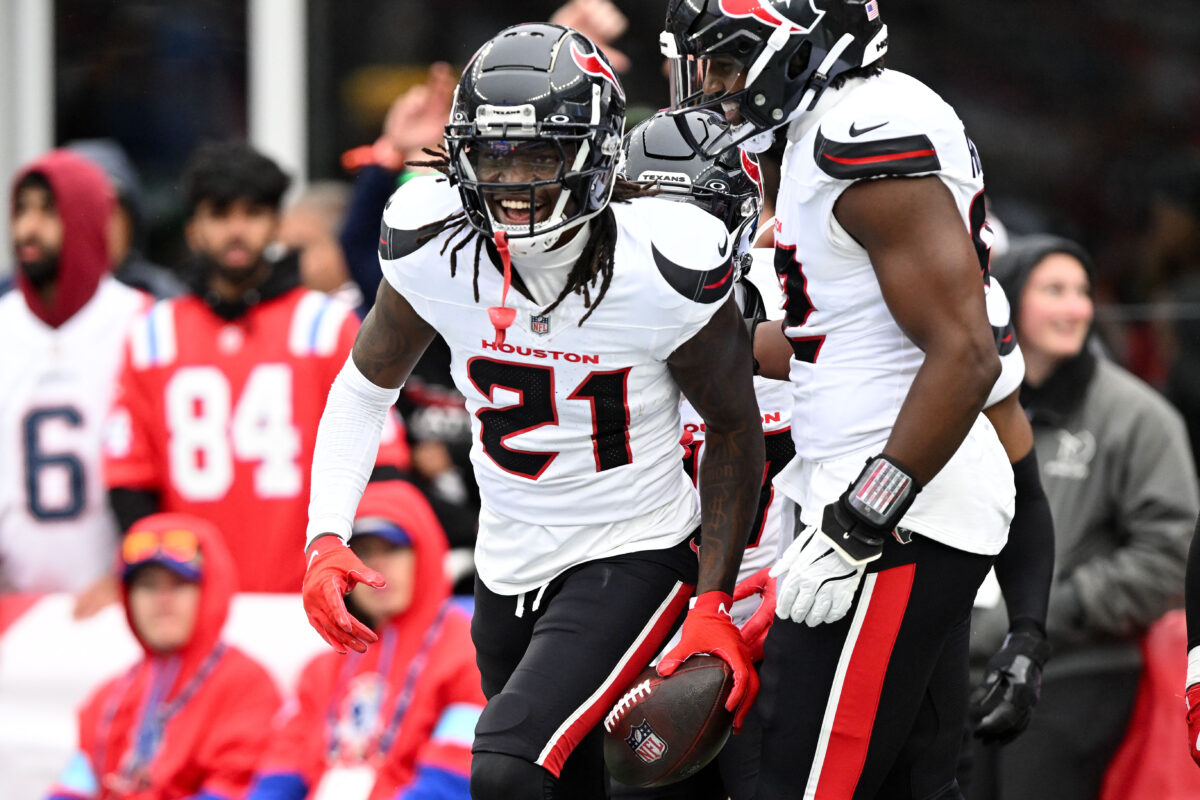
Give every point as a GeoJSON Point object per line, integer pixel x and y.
{"type": "Point", "coordinates": [502, 316]}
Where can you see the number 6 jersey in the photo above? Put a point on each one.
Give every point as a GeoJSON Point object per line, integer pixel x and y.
{"type": "Point", "coordinates": [56, 530]}
{"type": "Point", "coordinates": [576, 427]}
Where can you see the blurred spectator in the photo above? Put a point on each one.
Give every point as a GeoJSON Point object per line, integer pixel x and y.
{"type": "Point", "coordinates": [416, 120]}
{"type": "Point", "coordinates": [1122, 489]}
{"type": "Point", "coordinates": [65, 328]}
{"type": "Point", "coordinates": [219, 400]}
{"type": "Point", "coordinates": [127, 230]}
{"type": "Point", "coordinates": [311, 225]}
{"type": "Point", "coordinates": [191, 718]}
{"type": "Point", "coordinates": [401, 717]}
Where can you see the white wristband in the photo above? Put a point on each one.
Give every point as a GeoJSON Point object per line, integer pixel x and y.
{"type": "Point", "coordinates": [1193, 669]}
{"type": "Point", "coordinates": [346, 449]}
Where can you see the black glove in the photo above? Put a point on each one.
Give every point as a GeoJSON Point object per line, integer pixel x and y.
{"type": "Point", "coordinates": [1003, 704]}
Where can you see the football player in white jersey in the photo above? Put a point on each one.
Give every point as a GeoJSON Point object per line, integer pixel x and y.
{"type": "Point", "coordinates": [666, 152]}
{"type": "Point", "coordinates": [878, 240]}
{"type": "Point", "coordinates": [65, 324]}
{"type": "Point", "coordinates": [574, 324]}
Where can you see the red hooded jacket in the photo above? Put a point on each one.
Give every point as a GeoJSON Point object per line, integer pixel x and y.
{"type": "Point", "coordinates": [212, 742]}
{"type": "Point", "coordinates": [85, 202]}
{"type": "Point", "coordinates": [434, 733]}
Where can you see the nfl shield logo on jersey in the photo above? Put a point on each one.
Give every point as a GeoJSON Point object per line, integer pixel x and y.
{"type": "Point", "coordinates": [647, 744]}
{"type": "Point", "coordinates": [539, 324]}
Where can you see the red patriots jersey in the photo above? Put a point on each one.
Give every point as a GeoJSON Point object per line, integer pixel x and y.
{"type": "Point", "coordinates": [220, 418]}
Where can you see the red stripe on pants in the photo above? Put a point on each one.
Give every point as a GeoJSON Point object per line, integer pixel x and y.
{"type": "Point", "coordinates": [631, 665]}
{"type": "Point", "coordinates": [858, 701]}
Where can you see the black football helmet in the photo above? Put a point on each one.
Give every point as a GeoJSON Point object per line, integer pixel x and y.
{"type": "Point", "coordinates": [788, 50]}
{"type": "Point", "coordinates": [669, 150]}
{"type": "Point", "coordinates": [539, 88]}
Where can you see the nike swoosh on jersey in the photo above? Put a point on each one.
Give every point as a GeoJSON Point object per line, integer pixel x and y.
{"type": "Point", "coordinates": [700, 286]}
{"type": "Point", "coordinates": [857, 131]}
{"type": "Point", "coordinates": [904, 155]}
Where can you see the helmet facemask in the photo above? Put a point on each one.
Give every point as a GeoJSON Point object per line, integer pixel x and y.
{"type": "Point", "coordinates": [786, 65]}
{"type": "Point", "coordinates": [537, 119]}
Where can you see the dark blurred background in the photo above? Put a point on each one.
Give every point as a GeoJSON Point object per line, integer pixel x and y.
{"type": "Point", "coordinates": [1080, 110]}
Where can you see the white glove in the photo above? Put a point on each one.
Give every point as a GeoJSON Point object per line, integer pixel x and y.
{"type": "Point", "coordinates": [818, 582]}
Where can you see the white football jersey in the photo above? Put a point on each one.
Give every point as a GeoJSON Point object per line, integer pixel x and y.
{"type": "Point", "coordinates": [56, 530]}
{"type": "Point", "coordinates": [1012, 362]}
{"type": "Point", "coordinates": [852, 365]}
{"type": "Point", "coordinates": [775, 406]}
{"type": "Point", "coordinates": [576, 427]}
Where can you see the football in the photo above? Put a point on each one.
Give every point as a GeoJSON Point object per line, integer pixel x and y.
{"type": "Point", "coordinates": [665, 729]}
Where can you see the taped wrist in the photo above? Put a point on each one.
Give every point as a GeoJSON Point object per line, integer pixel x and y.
{"type": "Point", "coordinates": [1031, 645]}
{"type": "Point", "coordinates": [1193, 667]}
{"type": "Point", "coordinates": [870, 509]}
{"type": "Point", "coordinates": [346, 449]}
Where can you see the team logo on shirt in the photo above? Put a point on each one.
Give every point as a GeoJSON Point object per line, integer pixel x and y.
{"type": "Point", "coordinates": [539, 324]}
{"type": "Point", "coordinates": [645, 743]}
{"type": "Point", "coordinates": [358, 717]}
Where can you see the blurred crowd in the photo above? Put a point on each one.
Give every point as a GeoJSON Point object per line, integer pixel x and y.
{"type": "Point", "coordinates": [159, 422]}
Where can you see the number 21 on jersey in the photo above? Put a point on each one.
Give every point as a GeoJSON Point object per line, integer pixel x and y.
{"type": "Point", "coordinates": [605, 391]}
{"type": "Point", "coordinates": [208, 429]}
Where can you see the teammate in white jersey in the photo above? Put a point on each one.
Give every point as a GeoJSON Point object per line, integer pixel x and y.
{"type": "Point", "coordinates": [574, 326]}
{"type": "Point", "coordinates": [65, 324]}
{"type": "Point", "coordinates": [878, 239]}
{"type": "Point", "coordinates": [666, 152]}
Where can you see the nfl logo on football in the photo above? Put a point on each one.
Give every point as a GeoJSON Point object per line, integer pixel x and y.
{"type": "Point", "coordinates": [647, 744]}
{"type": "Point", "coordinates": [539, 324]}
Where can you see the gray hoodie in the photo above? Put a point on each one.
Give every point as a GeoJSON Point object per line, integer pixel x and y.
{"type": "Point", "coordinates": [1118, 473]}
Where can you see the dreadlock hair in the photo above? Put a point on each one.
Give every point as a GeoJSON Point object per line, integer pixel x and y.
{"type": "Point", "coordinates": [594, 264]}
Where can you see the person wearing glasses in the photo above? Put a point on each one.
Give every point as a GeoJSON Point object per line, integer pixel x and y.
{"type": "Point", "coordinates": [192, 717]}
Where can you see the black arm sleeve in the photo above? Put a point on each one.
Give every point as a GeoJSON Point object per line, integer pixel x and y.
{"type": "Point", "coordinates": [130, 505]}
{"type": "Point", "coordinates": [1191, 590]}
{"type": "Point", "coordinates": [1025, 567]}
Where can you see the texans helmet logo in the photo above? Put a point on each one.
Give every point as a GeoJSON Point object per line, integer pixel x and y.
{"type": "Point", "coordinates": [593, 65]}
{"type": "Point", "coordinates": [762, 11]}
{"type": "Point", "coordinates": [750, 167]}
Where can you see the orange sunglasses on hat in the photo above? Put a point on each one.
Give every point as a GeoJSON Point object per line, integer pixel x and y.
{"type": "Point", "coordinates": [174, 547]}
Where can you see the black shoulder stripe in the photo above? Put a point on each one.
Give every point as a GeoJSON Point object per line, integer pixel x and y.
{"type": "Point", "coordinates": [706, 286]}
{"type": "Point", "coordinates": [397, 242]}
{"type": "Point", "coordinates": [905, 155]}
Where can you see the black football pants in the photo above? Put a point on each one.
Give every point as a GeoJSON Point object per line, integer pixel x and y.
{"type": "Point", "coordinates": [873, 705]}
{"type": "Point", "coordinates": [553, 666]}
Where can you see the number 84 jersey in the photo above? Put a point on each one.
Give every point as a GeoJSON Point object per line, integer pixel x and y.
{"type": "Point", "coordinates": [576, 427]}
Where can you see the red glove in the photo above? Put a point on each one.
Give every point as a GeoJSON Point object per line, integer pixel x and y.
{"type": "Point", "coordinates": [754, 631]}
{"type": "Point", "coordinates": [1193, 721]}
{"type": "Point", "coordinates": [709, 629]}
{"type": "Point", "coordinates": [333, 569]}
